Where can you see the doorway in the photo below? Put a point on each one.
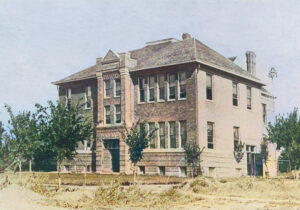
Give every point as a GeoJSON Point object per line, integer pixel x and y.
{"type": "Point", "coordinates": [113, 146]}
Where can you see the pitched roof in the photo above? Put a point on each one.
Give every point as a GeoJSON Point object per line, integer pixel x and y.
{"type": "Point", "coordinates": [84, 74]}
{"type": "Point", "coordinates": [172, 53]}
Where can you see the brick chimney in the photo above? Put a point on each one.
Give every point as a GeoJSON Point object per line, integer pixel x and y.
{"type": "Point", "coordinates": [251, 63]}
{"type": "Point", "coordinates": [186, 36]}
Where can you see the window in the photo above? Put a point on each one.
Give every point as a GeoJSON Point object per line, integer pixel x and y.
{"type": "Point", "coordinates": [117, 113]}
{"type": "Point", "coordinates": [68, 97]}
{"type": "Point", "coordinates": [172, 126]}
{"type": "Point", "coordinates": [264, 108]}
{"type": "Point", "coordinates": [161, 85]}
{"type": "Point", "coordinates": [234, 94]}
{"type": "Point", "coordinates": [209, 87]}
{"type": "Point", "coordinates": [183, 171]}
{"type": "Point", "coordinates": [87, 97]}
{"type": "Point", "coordinates": [151, 88]}
{"type": "Point", "coordinates": [183, 133]}
{"type": "Point", "coordinates": [153, 140]}
{"type": "Point", "coordinates": [182, 85]}
{"type": "Point", "coordinates": [162, 134]}
{"type": "Point", "coordinates": [142, 82]}
{"type": "Point", "coordinates": [117, 87]}
{"type": "Point", "coordinates": [249, 100]}
{"type": "Point", "coordinates": [107, 115]}
{"type": "Point", "coordinates": [107, 88]}
{"type": "Point", "coordinates": [210, 135]}
{"type": "Point", "coordinates": [142, 170]}
{"type": "Point", "coordinates": [87, 145]}
{"type": "Point", "coordinates": [236, 137]}
{"type": "Point", "coordinates": [162, 170]}
{"type": "Point", "coordinates": [172, 86]}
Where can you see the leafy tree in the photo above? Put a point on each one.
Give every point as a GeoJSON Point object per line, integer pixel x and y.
{"type": "Point", "coordinates": [192, 154]}
{"type": "Point", "coordinates": [137, 138]}
{"type": "Point", "coordinates": [62, 128]}
{"type": "Point", "coordinates": [285, 132]}
{"type": "Point", "coordinates": [238, 152]}
{"type": "Point", "coordinates": [5, 146]}
{"type": "Point", "coordinates": [24, 136]}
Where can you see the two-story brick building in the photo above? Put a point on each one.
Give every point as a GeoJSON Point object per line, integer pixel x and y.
{"type": "Point", "coordinates": [182, 87]}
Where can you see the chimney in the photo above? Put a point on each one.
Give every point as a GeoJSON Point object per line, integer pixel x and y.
{"type": "Point", "coordinates": [186, 36]}
{"type": "Point", "coordinates": [251, 64]}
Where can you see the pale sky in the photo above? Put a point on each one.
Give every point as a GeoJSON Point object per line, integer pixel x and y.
{"type": "Point", "coordinates": [43, 41]}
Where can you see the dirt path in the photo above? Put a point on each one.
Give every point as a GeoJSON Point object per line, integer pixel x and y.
{"type": "Point", "coordinates": [15, 197]}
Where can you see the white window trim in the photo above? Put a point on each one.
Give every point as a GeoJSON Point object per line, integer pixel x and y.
{"type": "Point", "coordinates": [148, 89]}
{"type": "Point", "coordinates": [139, 95]}
{"type": "Point", "coordinates": [178, 90]}
{"type": "Point", "coordinates": [105, 89]}
{"type": "Point", "coordinates": [212, 87]}
{"type": "Point", "coordinates": [158, 88]}
{"type": "Point", "coordinates": [168, 88]}
{"type": "Point", "coordinates": [214, 135]}
{"type": "Point", "coordinates": [238, 94]}
{"type": "Point", "coordinates": [115, 89]}
{"type": "Point", "coordinates": [105, 114]}
{"type": "Point", "coordinates": [115, 113]}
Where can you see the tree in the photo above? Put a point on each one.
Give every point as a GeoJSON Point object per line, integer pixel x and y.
{"type": "Point", "coordinates": [5, 147]}
{"type": "Point", "coordinates": [24, 136]}
{"type": "Point", "coordinates": [285, 132]}
{"type": "Point", "coordinates": [137, 138]}
{"type": "Point", "coordinates": [192, 154]}
{"type": "Point", "coordinates": [62, 128]}
{"type": "Point", "coordinates": [238, 152]}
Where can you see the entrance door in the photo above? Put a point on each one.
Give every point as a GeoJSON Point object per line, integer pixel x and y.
{"type": "Point", "coordinates": [113, 145]}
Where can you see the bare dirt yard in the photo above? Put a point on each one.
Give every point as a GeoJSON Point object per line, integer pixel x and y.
{"type": "Point", "coordinates": [39, 191]}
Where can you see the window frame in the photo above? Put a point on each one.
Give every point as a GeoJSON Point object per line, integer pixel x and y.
{"type": "Point", "coordinates": [115, 88]}
{"type": "Point", "coordinates": [154, 140]}
{"type": "Point", "coordinates": [151, 88]}
{"type": "Point", "coordinates": [183, 122]}
{"type": "Point", "coordinates": [142, 83]}
{"type": "Point", "coordinates": [109, 108]}
{"type": "Point", "coordinates": [182, 83]}
{"type": "Point", "coordinates": [164, 135]}
{"type": "Point", "coordinates": [209, 88]}
{"type": "Point", "coordinates": [173, 136]}
{"type": "Point", "coordinates": [249, 97]}
{"type": "Point", "coordinates": [235, 96]}
{"type": "Point", "coordinates": [212, 135]}
{"type": "Point", "coordinates": [236, 138]}
{"type": "Point", "coordinates": [173, 86]}
{"type": "Point", "coordinates": [163, 87]}
{"type": "Point", "coordinates": [88, 96]}
{"type": "Point", "coordinates": [118, 113]}
{"type": "Point", "coordinates": [264, 111]}
{"type": "Point", "coordinates": [105, 88]}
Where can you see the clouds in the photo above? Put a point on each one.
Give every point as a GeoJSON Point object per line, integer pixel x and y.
{"type": "Point", "coordinates": [43, 41]}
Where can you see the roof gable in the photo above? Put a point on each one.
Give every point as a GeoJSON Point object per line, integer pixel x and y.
{"type": "Point", "coordinates": [110, 57]}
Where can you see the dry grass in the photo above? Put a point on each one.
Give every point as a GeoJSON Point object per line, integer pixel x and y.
{"type": "Point", "coordinates": [250, 187]}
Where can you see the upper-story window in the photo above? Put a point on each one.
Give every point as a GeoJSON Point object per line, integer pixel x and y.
{"type": "Point", "coordinates": [162, 134]}
{"type": "Point", "coordinates": [117, 87]}
{"type": "Point", "coordinates": [209, 87]}
{"type": "Point", "coordinates": [182, 85]}
{"type": "Point", "coordinates": [249, 98]}
{"type": "Point", "coordinates": [236, 136]}
{"type": "Point", "coordinates": [234, 94]}
{"type": "Point", "coordinates": [107, 115]}
{"type": "Point", "coordinates": [152, 88]}
{"type": "Point", "coordinates": [142, 84]}
{"type": "Point", "coordinates": [183, 133]}
{"type": "Point", "coordinates": [68, 97]}
{"type": "Point", "coordinates": [172, 134]}
{"type": "Point", "coordinates": [117, 114]}
{"type": "Point", "coordinates": [87, 97]}
{"type": "Point", "coordinates": [107, 88]}
{"type": "Point", "coordinates": [172, 86]}
{"type": "Point", "coordinates": [161, 86]}
{"type": "Point", "coordinates": [264, 109]}
{"type": "Point", "coordinates": [210, 135]}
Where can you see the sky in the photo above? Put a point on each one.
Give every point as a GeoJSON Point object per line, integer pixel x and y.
{"type": "Point", "coordinates": [42, 41]}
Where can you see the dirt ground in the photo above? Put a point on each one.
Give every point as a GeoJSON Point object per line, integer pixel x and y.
{"type": "Point", "coordinates": [205, 193]}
